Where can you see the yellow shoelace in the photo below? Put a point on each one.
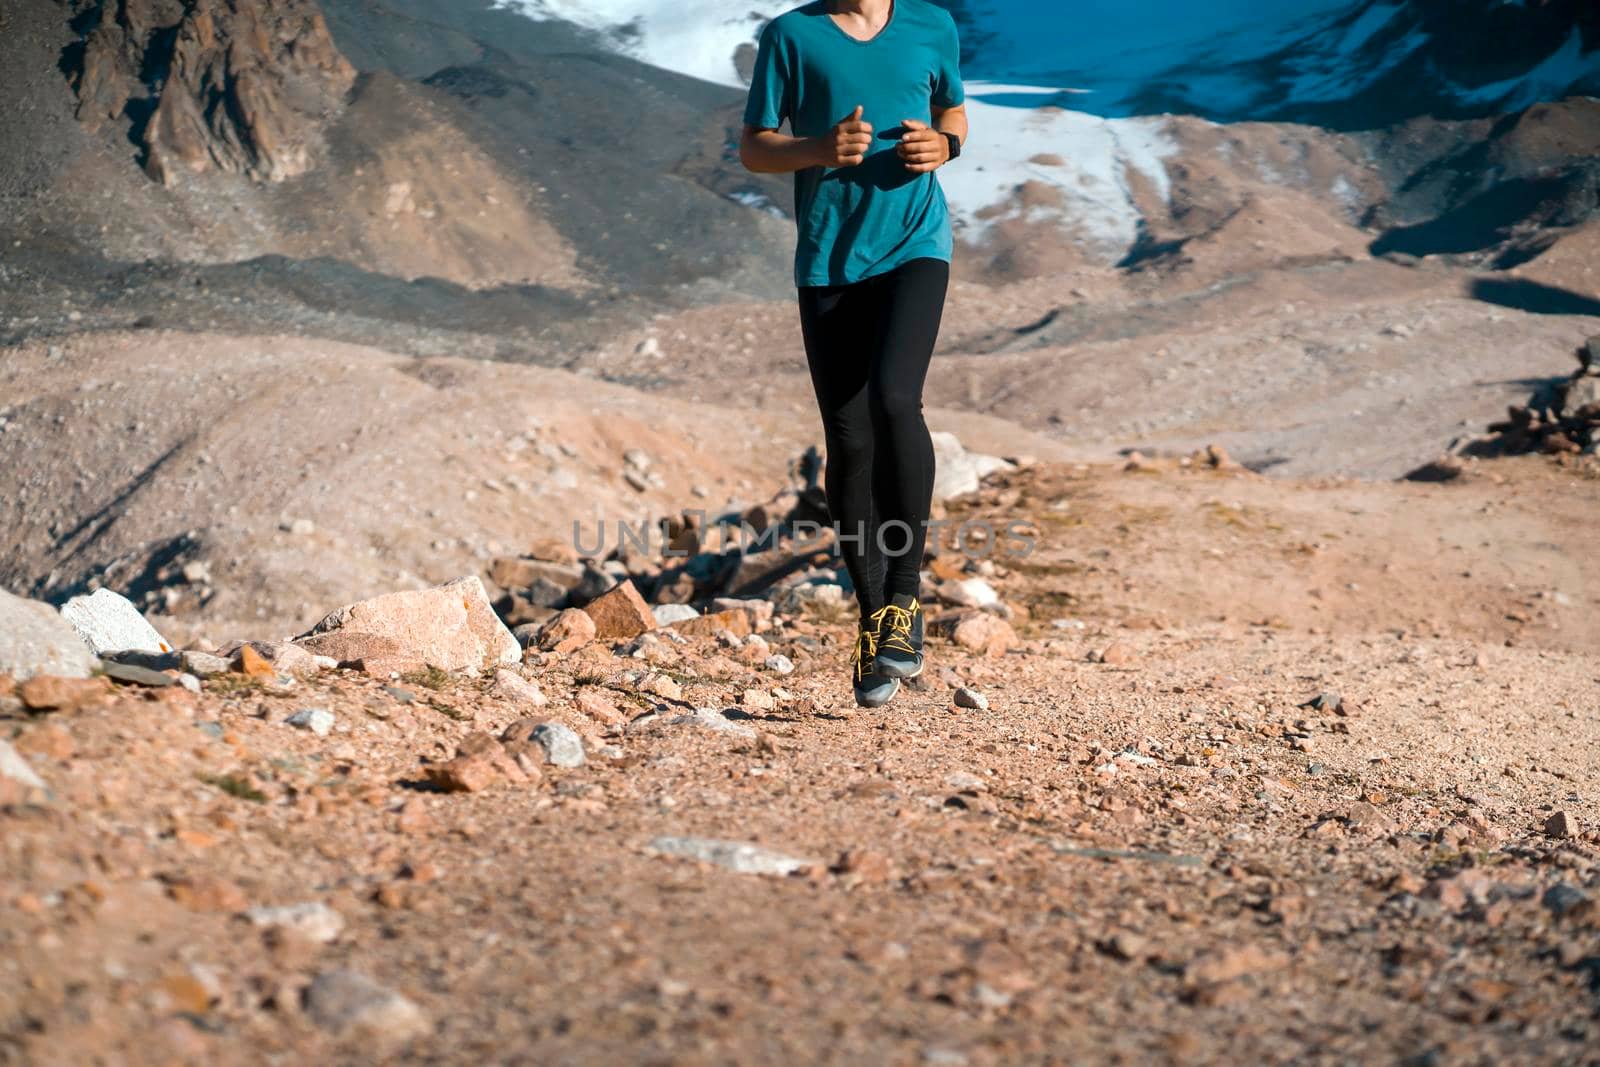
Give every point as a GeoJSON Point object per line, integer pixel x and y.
{"type": "Point", "coordinates": [899, 626]}
{"type": "Point", "coordinates": [866, 648]}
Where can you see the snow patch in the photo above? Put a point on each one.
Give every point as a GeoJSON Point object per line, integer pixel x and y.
{"type": "Point", "coordinates": [1097, 157]}
{"type": "Point", "coordinates": [699, 39]}
{"type": "Point", "coordinates": [758, 201]}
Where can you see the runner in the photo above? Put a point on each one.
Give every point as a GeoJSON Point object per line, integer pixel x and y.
{"type": "Point", "coordinates": [871, 90]}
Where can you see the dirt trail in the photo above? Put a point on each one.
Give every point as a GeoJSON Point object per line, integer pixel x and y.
{"type": "Point", "coordinates": [1157, 858]}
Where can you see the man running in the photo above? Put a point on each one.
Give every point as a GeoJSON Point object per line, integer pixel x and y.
{"type": "Point", "coordinates": [871, 90]}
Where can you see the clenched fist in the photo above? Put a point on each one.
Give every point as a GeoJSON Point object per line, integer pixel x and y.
{"type": "Point", "coordinates": [923, 148]}
{"type": "Point", "coordinates": [847, 143]}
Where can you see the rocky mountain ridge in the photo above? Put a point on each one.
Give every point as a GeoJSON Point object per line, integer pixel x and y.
{"type": "Point", "coordinates": [244, 89]}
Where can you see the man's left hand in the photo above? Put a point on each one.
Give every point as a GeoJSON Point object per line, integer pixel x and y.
{"type": "Point", "coordinates": [922, 147]}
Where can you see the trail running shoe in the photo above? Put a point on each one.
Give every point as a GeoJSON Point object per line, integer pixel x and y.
{"type": "Point", "coordinates": [873, 688]}
{"type": "Point", "coordinates": [899, 637]}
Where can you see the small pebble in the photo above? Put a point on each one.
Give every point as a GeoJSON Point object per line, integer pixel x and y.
{"type": "Point", "coordinates": [971, 698]}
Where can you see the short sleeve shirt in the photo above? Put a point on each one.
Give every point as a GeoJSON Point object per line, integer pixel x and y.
{"type": "Point", "coordinates": [854, 222]}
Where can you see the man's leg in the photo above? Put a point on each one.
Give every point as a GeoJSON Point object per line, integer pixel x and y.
{"type": "Point", "coordinates": [838, 338]}
{"type": "Point", "coordinates": [909, 306]}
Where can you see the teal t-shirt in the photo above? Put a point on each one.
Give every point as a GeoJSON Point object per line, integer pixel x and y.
{"type": "Point", "coordinates": [854, 222]}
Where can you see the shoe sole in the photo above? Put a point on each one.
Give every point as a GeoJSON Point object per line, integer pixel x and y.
{"type": "Point", "coordinates": [889, 669]}
{"type": "Point", "coordinates": [872, 701]}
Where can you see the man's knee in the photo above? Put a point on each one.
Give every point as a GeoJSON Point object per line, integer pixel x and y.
{"type": "Point", "coordinates": [898, 407]}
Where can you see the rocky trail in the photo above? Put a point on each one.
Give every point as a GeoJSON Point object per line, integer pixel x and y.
{"type": "Point", "coordinates": [1207, 767]}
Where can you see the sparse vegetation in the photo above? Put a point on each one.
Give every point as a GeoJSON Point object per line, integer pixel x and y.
{"type": "Point", "coordinates": [235, 786]}
{"type": "Point", "coordinates": [427, 678]}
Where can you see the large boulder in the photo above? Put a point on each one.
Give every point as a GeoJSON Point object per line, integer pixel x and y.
{"type": "Point", "coordinates": [35, 639]}
{"type": "Point", "coordinates": [108, 622]}
{"type": "Point", "coordinates": [452, 627]}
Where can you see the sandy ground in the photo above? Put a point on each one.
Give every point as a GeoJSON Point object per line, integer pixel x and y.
{"type": "Point", "coordinates": [1364, 369]}
{"type": "Point", "coordinates": [1160, 858]}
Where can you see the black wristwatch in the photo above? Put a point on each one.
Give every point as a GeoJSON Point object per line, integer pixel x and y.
{"type": "Point", "coordinates": [955, 144]}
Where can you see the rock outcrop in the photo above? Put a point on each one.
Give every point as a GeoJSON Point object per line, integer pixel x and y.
{"type": "Point", "coordinates": [239, 86]}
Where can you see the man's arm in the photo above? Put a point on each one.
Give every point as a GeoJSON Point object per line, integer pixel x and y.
{"type": "Point", "coordinates": [767, 151]}
{"type": "Point", "coordinates": [924, 147]}
{"type": "Point", "coordinates": [774, 152]}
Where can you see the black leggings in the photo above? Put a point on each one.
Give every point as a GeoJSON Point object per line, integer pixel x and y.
{"type": "Point", "coordinates": [868, 345]}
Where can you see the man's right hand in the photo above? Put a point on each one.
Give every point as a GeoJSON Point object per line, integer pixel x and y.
{"type": "Point", "coordinates": [847, 143]}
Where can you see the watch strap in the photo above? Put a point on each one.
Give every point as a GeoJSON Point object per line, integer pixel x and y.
{"type": "Point", "coordinates": [955, 144]}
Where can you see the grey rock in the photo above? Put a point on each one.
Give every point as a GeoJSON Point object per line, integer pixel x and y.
{"type": "Point", "coordinates": [711, 719]}
{"type": "Point", "coordinates": [667, 614]}
{"type": "Point", "coordinates": [132, 674]}
{"type": "Point", "coordinates": [595, 583]}
{"type": "Point", "coordinates": [1328, 700]}
{"type": "Point", "coordinates": [561, 745]}
{"type": "Point", "coordinates": [971, 698]}
{"type": "Point", "coordinates": [313, 920]}
{"type": "Point", "coordinates": [780, 664]}
{"type": "Point", "coordinates": [318, 720]}
{"type": "Point", "coordinates": [741, 857]}
{"type": "Point", "coordinates": [1563, 899]}
{"type": "Point", "coordinates": [1579, 394]}
{"type": "Point", "coordinates": [349, 1004]}
{"type": "Point", "coordinates": [203, 664]}
{"type": "Point", "coordinates": [152, 661]}
{"type": "Point", "coordinates": [35, 639]}
{"type": "Point", "coordinates": [527, 633]}
{"type": "Point", "coordinates": [14, 767]}
{"type": "Point", "coordinates": [108, 622]}
{"type": "Point", "coordinates": [546, 594]}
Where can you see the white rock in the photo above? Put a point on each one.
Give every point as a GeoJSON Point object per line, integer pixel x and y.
{"type": "Point", "coordinates": [780, 663]}
{"type": "Point", "coordinates": [738, 856]}
{"type": "Point", "coordinates": [348, 1003]}
{"type": "Point", "coordinates": [313, 920]}
{"type": "Point", "coordinates": [35, 639]}
{"type": "Point", "coordinates": [14, 767]}
{"type": "Point", "coordinates": [511, 686]}
{"type": "Point", "coordinates": [108, 622]}
{"type": "Point", "coordinates": [970, 593]}
{"type": "Point", "coordinates": [667, 614]}
{"type": "Point", "coordinates": [318, 720]}
{"type": "Point", "coordinates": [957, 471]}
